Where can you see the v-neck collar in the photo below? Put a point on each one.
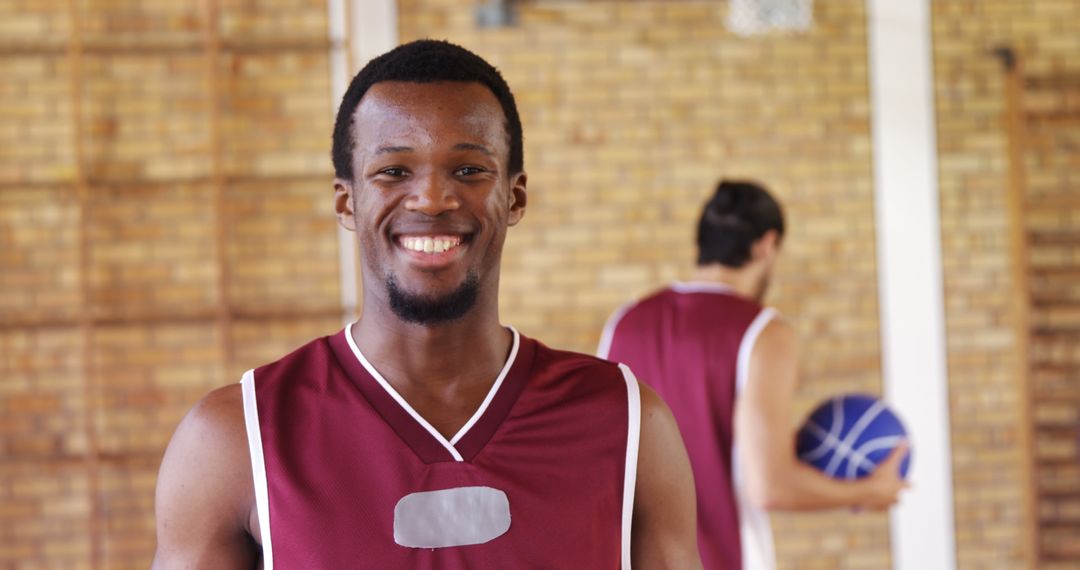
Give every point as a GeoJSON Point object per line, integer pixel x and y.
{"type": "Point", "coordinates": [430, 445]}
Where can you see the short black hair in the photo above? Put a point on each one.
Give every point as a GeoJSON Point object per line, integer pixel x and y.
{"type": "Point", "coordinates": [423, 61]}
{"type": "Point", "coordinates": [736, 216]}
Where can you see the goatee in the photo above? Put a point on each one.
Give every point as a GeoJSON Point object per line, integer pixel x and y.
{"type": "Point", "coordinates": [425, 310]}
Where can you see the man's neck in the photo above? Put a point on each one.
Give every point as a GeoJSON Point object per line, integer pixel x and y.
{"type": "Point", "coordinates": [443, 370]}
{"type": "Point", "coordinates": [743, 281]}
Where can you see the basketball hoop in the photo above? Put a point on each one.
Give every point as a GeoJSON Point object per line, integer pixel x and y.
{"type": "Point", "coordinates": [754, 17]}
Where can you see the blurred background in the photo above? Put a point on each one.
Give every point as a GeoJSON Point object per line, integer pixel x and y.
{"type": "Point", "coordinates": [166, 223]}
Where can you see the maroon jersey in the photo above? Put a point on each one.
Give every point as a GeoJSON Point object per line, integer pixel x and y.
{"type": "Point", "coordinates": [691, 343]}
{"type": "Point", "coordinates": [348, 475]}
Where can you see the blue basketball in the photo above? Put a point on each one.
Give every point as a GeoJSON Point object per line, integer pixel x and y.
{"type": "Point", "coordinates": [846, 437]}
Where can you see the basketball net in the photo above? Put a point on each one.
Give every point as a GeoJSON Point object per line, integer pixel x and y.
{"type": "Point", "coordinates": [754, 17]}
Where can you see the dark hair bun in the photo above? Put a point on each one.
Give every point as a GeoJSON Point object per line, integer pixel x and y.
{"type": "Point", "coordinates": [737, 214]}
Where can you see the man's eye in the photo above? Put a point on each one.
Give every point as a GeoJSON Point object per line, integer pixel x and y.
{"type": "Point", "coordinates": [393, 171]}
{"type": "Point", "coordinates": [469, 170]}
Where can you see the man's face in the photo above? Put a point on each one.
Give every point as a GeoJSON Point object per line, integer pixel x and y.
{"type": "Point", "coordinates": [432, 197]}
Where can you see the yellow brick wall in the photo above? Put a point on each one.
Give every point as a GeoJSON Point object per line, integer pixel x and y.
{"type": "Point", "coordinates": [989, 449]}
{"type": "Point", "coordinates": [632, 111]}
{"type": "Point", "coordinates": [97, 367]}
{"type": "Point", "coordinates": [1052, 223]}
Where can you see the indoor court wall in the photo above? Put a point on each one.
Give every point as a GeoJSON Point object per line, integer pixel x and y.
{"type": "Point", "coordinates": [166, 223]}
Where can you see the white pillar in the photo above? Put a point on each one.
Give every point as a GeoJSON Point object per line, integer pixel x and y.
{"type": "Point", "coordinates": [374, 29]}
{"type": "Point", "coordinates": [359, 30]}
{"type": "Point", "coordinates": [909, 275]}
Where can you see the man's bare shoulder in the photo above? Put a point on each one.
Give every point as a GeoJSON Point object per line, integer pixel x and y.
{"type": "Point", "coordinates": [655, 412]}
{"type": "Point", "coordinates": [215, 424]}
{"type": "Point", "coordinates": [205, 499]}
{"type": "Point", "coordinates": [665, 513]}
{"type": "Point", "coordinates": [221, 409]}
{"type": "Point", "coordinates": [212, 438]}
{"type": "Point", "coordinates": [779, 337]}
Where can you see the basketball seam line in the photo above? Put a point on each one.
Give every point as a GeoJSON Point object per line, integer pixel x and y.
{"type": "Point", "coordinates": [841, 449]}
{"type": "Point", "coordinates": [856, 430]}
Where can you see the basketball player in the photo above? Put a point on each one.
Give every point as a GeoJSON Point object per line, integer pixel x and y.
{"type": "Point", "coordinates": [727, 367]}
{"type": "Point", "coordinates": [427, 434]}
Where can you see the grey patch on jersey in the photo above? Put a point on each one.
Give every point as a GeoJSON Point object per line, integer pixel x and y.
{"type": "Point", "coordinates": [451, 517]}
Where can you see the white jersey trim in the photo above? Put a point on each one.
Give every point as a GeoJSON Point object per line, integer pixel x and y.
{"type": "Point", "coordinates": [700, 287]}
{"type": "Point", "coordinates": [746, 346]}
{"type": "Point", "coordinates": [491, 393]}
{"type": "Point", "coordinates": [755, 532]}
{"type": "Point", "coordinates": [258, 466]}
{"type": "Point", "coordinates": [608, 335]}
{"type": "Point", "coordinates": [633, 441]}
{"type": "Point", "coordinates": [448, 444]}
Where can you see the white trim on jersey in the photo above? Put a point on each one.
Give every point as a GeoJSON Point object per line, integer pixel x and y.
{"type": "Point", "coordinates": [448, 444]}
{"type": "Point", "coordinates": [700, 287]}
{"type": "Point", "coordinates": [755, 532]}
{"type": "Point", "coordinates": [679, 286]}
{"type": "Point", "coordinates": [258, 466]}
{"type": "Point", "coordinates": [491, 393]}
{"type": "Point", "coordinates": [746, 346]}
{"type": "Point", "coordinates": [608, 335]}
{"type": "Point", "coordinates": [633, 440]}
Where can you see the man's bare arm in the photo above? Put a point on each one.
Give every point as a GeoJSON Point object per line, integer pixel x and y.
{"type": "Point", "coordinates": [664, 533]}
{"type": "Point", "coordinates": [204, 498]}
{"type": "Point", "coordinates": [765, 439]}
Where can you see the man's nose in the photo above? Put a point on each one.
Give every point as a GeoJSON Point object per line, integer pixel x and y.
{"type": "Point", "coordinates": [433, 195]}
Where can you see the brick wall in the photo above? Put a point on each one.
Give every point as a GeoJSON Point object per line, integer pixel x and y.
{"type": "Point", "coordinates": [632, 111]}
{"type": "Point", "coordinates": [97, 367]}
{"type": "Point", "coordinates": [1052, 226]}
{"type": "Point", "coordinates": [990, 452]}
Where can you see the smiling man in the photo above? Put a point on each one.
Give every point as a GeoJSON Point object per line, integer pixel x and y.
{"type": "Point", "coordinates": [427, 434]}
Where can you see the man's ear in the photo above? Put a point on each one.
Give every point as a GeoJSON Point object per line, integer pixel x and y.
{"type": "Point", "coordinates": [344, 204]}
{"type": "Point", "coordinates": [767, 245]}
{"type": "Point", "coordinates": [518, 197]}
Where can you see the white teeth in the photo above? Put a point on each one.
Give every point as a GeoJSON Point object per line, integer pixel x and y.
{"type": "Point", "coordinates": [428, 245]}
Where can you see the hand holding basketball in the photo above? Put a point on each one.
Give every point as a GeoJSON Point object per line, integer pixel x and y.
{"type": "Point", "coordinates": [857, 437]}
{"type": "Point", "coordinates": [887, 480]}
